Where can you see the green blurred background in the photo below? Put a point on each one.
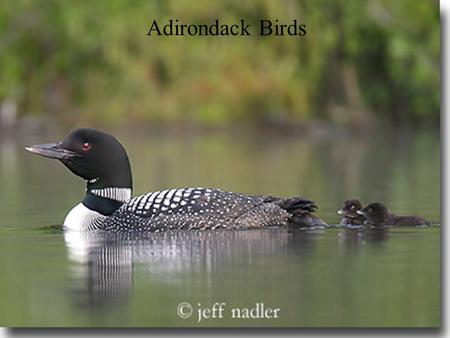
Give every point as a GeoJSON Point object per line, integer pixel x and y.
{"type": "Point", "coordinates": [90, 62]}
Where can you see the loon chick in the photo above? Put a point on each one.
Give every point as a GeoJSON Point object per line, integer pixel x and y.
{"type": "Point", "coordinates": [350, 213]}
{"type": "Point", "coordinates": [102, 161]}
{"type": "Point", "coordinates": [378, 215]}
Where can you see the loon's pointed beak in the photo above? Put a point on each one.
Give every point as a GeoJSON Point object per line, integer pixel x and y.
{"type": "Point", "coordinates": [52, 150]}
{"type": "Point", "coordinates": [360, 212]}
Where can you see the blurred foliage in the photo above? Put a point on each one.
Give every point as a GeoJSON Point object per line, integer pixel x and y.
{"type": "Point", "coordinates": [360, 61]}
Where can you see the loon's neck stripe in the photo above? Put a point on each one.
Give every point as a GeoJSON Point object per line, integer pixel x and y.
{"type": "Point", "coordinates": [104, 206]}
{"type": "Point", "coordinates": [119, 194]}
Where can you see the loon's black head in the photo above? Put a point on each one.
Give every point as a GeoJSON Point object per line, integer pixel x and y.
{"type": "Point", "coordinates": [93, 155]}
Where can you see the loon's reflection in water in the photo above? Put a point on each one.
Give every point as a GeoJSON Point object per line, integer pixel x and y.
{"type": "Point", "coordinates": [103, 263]}
{"type": "Point", "coordinates": [101, 270]}
{"type": "Point", "coordinates": [356, 238]}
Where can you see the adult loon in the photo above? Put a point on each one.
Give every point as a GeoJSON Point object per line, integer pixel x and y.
{"type": "Point", "coordinates": [101, 160]}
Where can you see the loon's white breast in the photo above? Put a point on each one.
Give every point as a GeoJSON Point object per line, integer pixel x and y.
{"type": "Point", "coordinates": [81, 218]}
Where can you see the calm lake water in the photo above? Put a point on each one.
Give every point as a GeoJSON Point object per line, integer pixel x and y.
{"type": "Point", "coordinates": [318, 278]}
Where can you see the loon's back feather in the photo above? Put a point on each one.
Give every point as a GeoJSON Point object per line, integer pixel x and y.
{"type": "Point", "coordinates": [190, 200]}
{"type": "Point", "coordinates": [203, 208]}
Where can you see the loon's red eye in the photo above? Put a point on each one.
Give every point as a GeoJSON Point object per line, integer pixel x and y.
{"type": "Point", "coordinates": [86, 146]}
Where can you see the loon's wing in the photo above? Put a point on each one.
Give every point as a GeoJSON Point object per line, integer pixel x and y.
{"type": "Point", "coordinates": [191, 200]}
{"type": "Point", "coordinates": [185, 208]}
{"type": "Point", "coordinates": [203, 208]}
